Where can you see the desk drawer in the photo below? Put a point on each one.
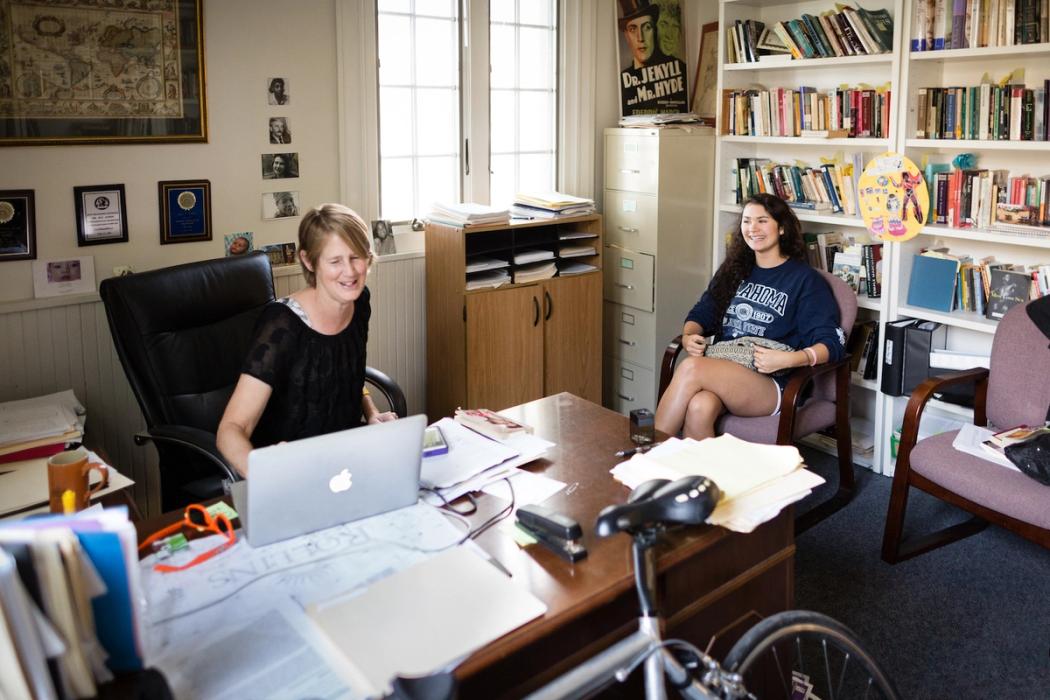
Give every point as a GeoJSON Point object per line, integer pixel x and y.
{"type": "Point", "coordinates": [628, 386]}
{"type": "Point", "coordinates": [632, 162]}
{"type": "Point", "coordinates": [628, 278]}
{"type": "Point", "coordinates": [629, 334]}
{"type": "Point", "coordinates": [630, 220]}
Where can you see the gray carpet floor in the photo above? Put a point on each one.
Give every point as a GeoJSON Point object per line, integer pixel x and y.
{"type": "Point", "coordinates": [968, 620]}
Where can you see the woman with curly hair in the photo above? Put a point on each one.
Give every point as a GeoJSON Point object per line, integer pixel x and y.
{"type": "Point", "coordinates": [765, 289]}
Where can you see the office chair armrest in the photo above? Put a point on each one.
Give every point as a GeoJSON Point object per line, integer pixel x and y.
{"type": "Point", "coordinates": [674, 349]}
{"type": "Point", "coordinates": [925, 391]}
{"type": "Point", "coordinates": [802, 376]}
{"type": "Point", "coordinates": [200, 441]}
{"type": "Point", "coordinates": [395, 398]}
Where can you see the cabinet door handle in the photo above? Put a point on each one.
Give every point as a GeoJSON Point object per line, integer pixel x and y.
{"type": "Point", "coordinates": [549, 303]}
{"type": "Point", "coordinates": [624, 286]}
{"type": "Point", "coordinates": [629, 343]}
{"type": "Point", "coordinates": [626, 398]}
{"type": "Point", "coordinates": [627, 229]}
{"type": "Point", "coordinates": [536, 308]}
{"type": "Point", "coordinates": [629, 171]}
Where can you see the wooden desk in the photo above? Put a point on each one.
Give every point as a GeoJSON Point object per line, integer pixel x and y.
{"type": "Point", "coordinates": [713, 584]}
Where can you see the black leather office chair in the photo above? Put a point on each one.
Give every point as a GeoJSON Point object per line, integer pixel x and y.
{"type": "Point", "coordinates": [182, 334]}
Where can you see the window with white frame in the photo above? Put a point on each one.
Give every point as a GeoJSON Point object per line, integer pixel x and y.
{"type": "Point", "coordinates": [425, 109]}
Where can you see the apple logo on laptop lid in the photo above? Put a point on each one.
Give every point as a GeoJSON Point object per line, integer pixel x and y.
{"type": "Point", "coordinates": [341, 481]}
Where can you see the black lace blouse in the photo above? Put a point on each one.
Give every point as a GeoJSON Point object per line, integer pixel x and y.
{"type": "Point", "coordinates": [316, 378]}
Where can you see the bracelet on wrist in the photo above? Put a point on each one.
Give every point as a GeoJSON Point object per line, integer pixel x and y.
{"type": "Point", "coordinates": [812, 355]}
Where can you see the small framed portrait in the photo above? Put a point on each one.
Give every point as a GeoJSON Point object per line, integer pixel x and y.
{"type": "Point", "coordinates": [52, 278]}
{"type": "Point", "coordinates": [17, 225]}
{"type": "Point", "coordinates": [706, 83]}
{"type": "Point", "coordinates": [280, 130]}
{"type": "Point", "coordinates": [185, 211]}
{"type": "Point", "coordinates": [279, 166]}
{"type": "Point", "coordinates": [280, 205]}
{"type": "Point", "coordinates": [383, 238]}
{"type": "Point", "coordinates": [101, 214]}
{"type": "Point", "coordinates": [277, 91]}
{"type": "Point", "coordinates": [239, 243]}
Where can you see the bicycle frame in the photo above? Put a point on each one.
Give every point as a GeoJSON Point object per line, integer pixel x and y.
{"type": "Point", "coordinates": [644, 646]}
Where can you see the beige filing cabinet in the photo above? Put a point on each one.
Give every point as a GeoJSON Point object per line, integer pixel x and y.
{"type": "Point", "coordinates": [657, 209]}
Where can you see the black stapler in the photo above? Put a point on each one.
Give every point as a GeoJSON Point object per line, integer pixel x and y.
{"type": "Point", "coordinates": [556, 530]}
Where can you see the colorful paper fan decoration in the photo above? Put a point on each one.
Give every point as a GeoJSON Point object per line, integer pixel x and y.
{"type": "Point", "coordinates": [894, 200]}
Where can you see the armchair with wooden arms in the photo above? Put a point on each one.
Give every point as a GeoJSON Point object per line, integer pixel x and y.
{"type": "Point", "coordinates": [1014, 391]}
{"type": "Point", "coordinates": [825, 407]}
{"type": "Point", "coordinates": [182, 334]}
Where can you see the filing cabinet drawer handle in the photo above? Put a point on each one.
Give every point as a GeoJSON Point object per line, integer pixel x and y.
{"type": "Point", "coordinates": [624, 286]}
{"type": "Point", "coordinates": [625, 398]}
{"type": "Point", "coordinates": [628, 171]}
{"type": "Point", "coordinates": [628, 342]}
{"type": "Point", "coordinates": [627, 229]}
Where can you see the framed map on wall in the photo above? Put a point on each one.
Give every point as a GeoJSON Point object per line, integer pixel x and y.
{"type": "Point", "coordinates": [80, 71]}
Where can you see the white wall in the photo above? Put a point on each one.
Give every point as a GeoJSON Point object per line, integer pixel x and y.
{"type": "Point", "coordinates": [246, 41]}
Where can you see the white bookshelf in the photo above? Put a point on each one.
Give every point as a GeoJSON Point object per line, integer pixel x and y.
{"type": "Point", "coordinates": [960, 67]}
{"type": "Point", "coordinates": [821, 73]}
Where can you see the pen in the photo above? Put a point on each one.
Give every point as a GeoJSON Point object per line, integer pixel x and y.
{"type": "Point", "coordinates": [641, 449]}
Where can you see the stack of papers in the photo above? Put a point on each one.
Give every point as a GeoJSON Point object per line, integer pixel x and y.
{"type": "Point", "coordinates": [40, 426]}
{"type": "Point", "coordinates": [532, 273]}
{"type": "Point", "coordinates": [488, 279]}
{"type": "Point", "coordinates": [550, 205]}
{"type": "Point", "coordinates": [574, 235]}
{"type": "Point", "coordinates": [757, 481]}
{"type": "Point", "coordinates": [474, 461]}
{"type": "Point", "coordinates": [644, 120]}
{"type": "Point", "coordinates": [531, 255]}
{"type": "Point", "coordinates": [575, 268]}
{"type": "Point", "coordinates": [481, 263]}
{"type": "Point", "coordinates": [574, 251]}
{"type": "Point", "coordinates": [468, 214]}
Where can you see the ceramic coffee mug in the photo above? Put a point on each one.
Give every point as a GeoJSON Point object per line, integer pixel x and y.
{"type": "Point", "coordinates": [69, 471]}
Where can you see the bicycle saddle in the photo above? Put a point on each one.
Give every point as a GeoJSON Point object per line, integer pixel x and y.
{"type": "Point", "coordinates": [686, 501]}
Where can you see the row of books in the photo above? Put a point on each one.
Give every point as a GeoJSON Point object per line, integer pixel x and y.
{"type": "Point", "coordinates": [69, 596]}
{"type": "Point", "coordinates": [805, 111]}
{"type": "Point", "coordinates": [966, 24]}
{"type": "Point", "coordinates": [848, 32]}
{"type": "Point", "coordinates": [983, 112]}
{"type": "Point", "coordinates": [989, 199]}
{"type": "Point", "coordinates": [860, 269]}
{"type": "Point", "coordinates": [829, 187]}
{"type": "Point", "coordinates": [945, 282]}
{"type": "Point", "coordinates": [863, 346]}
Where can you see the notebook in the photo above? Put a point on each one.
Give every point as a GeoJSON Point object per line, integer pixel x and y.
{"type": "Point", "coordinates": [319, 482]}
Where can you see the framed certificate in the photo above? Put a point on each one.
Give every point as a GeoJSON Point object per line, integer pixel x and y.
{"type": "Point", "coordinates": [17, 225]}
{"type": "Point", "coordinates": [185, 211]}
{"type": "Point", "coordinates": [101, 214]}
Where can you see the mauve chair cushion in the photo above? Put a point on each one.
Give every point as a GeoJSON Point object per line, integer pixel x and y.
{"type": "Point", "coordinates": [998, 488]}
{"type": "Point", "coordinates": [815, 414]}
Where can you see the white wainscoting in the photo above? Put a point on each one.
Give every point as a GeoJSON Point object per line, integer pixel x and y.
{"type": "Point", "coordinates": [49, 345]}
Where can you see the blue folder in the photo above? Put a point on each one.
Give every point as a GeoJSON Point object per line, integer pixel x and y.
{"type": "Point", "coordinates": [932, 284]}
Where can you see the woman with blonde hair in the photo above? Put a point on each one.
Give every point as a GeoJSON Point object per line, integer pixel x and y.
{"type": "Point", "coordinates": [305, 369]}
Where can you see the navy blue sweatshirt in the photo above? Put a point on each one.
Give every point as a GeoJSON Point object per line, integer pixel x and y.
{"type": "Point", "coordinates": [790, 303]}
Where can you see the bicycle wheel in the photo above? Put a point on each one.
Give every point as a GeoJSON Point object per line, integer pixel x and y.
{"type": "Point", "coordinates": [802, 654]}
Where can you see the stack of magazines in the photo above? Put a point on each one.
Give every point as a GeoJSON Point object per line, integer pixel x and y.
{"type": "Point", "coordinates": [640, 121]}
{"type": "Point", "coordinates": [468, 214]}
{"type": "Point", "coordinates": [549, 205]}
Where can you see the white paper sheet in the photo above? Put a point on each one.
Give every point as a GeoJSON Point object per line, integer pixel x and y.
{"type": "Point", "coordinates": [969, 441]}
{"type": "Point", "coordinates": [529, 488]}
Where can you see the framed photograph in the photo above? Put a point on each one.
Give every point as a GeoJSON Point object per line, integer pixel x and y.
{"type": "Point", "coordinates": [101, 214]}
{"type": "Point", "coordinates": [279, 166]}
{"type": "Point", "coordinates": [280, 205]}
{"type": "Point", "coordinates": [185, 211]}
{"type": "Point", "coordinates": [53, 278]}
{"type": "Point", "coordinates": [280, 253]}
{"type": "Point", "coordinates": [277, 91]}
{"type": "Point", "coordinates": [17, 225]}
{"type": "Point", "coordinates": [706, 84]}
{"type": "Point", "coordinates": [239, 243]}
{"type": "Point", "coordinates": [383, 238]}
{"type": "Point", "coordinates": [280, 130]}
{"type": "Point", "coordinates": [88, 72]}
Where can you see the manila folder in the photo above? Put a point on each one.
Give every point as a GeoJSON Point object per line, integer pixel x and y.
{"type": "Point", "coordinates": [421, 619]}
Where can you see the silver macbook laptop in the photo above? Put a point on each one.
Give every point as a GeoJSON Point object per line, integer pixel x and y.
{"type": "Point", "coordinates": [319, 482]}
